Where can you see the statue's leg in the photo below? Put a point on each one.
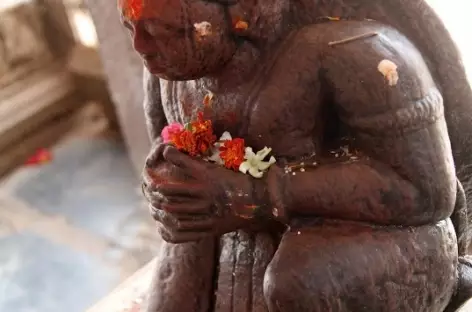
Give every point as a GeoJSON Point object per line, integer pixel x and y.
{"type": "Point", "coordinates": [464, 287]}
{"type": "Point", "coordinates": [462, 223]}
{"type": "Point", "coordinates": [346, 267]}
{"type": "Point", "coordinates": [183, 278]}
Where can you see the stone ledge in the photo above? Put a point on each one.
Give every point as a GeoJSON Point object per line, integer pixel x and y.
{"type": "Point", "coordinates": [129, 295]}
{"type": "Point", "coordinates": [33, 113]}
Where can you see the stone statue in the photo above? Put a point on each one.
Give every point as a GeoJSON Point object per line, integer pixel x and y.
{"type": "Point", "coordinates": [367, 109]}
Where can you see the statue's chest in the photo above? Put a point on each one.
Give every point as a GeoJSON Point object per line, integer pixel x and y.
{"type": "Point", "coordinates": [265, 113]}
{"type": "Point", "coordinates": [182, 101]}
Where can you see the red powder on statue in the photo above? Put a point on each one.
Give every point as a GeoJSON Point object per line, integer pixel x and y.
{"type": "Point", "coordinates": [185, 141]}
{"type": "Point", "coordinates": [231, 118]}
{"type": "Point", "coordinates": [132, 9]}
{"type": "Point", "coordinates": [239, 24]}
{"type": "Point", "coordinates": [203, 131]}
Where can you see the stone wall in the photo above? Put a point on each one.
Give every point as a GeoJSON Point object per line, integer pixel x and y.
{"type": "Point", "coordinates": [124, 72]}
{"type": "Point", "coordinates": [22, 42]}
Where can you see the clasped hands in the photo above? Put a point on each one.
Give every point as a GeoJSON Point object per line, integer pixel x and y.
{"type": "Point", "coordinates": [192, 199]}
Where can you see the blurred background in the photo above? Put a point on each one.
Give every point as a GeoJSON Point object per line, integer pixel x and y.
{"type": "Point", "coordinates": [73, 224]}
{"type": "Point", "coordinates": [72, 221]}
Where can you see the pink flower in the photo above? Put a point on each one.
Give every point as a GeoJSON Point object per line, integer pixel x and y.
{"type": "Point", "coordinates": [170, 130]}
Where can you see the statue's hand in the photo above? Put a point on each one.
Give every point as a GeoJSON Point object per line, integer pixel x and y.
{"type": "Point", "coordinates": [192, 199]}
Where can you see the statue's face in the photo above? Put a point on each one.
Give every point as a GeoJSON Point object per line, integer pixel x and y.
{"type": "Point", "coordinates": [179, 39]}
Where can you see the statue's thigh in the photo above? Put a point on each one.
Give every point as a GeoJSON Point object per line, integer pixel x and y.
{"type": "Point", "coordinates": [345, 267]}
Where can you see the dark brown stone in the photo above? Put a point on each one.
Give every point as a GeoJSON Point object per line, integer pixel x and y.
{"type": "Point", "coordinates": [371, 232]}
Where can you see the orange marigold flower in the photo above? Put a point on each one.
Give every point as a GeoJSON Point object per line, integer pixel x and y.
{"type": "Point", "coordinates": [202, 129]}
{"type": "Point", "coordinates": [240, 25]}
{"type": "Point", "coordinates": [185, 140]}
{"type": "Point", "coordinates": [201, 124]}
{"type": "Point", "coordinates": [195, 138]}
{"type": "Point", "coordinates": [232, 153]}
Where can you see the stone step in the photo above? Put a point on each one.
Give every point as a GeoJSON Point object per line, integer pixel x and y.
{"type": "Point", "coordinates": [129, 295]}
{"type": "Point", "coordinates": [34, 112]}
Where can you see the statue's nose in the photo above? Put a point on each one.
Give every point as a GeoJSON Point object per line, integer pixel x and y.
{"type": "Point", "coordinates": [143, 40]}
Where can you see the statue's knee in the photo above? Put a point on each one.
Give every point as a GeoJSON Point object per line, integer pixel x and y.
{"type": "Point", "coordinates": [279, 290]}
{"type": "Point", "coordinates": [272, 285]}
{"type": "Point", "coordinates": [464, 287]}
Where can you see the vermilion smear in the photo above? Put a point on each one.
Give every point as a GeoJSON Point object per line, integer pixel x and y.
{"type": "Point", "coordinates": [132, 9]}
{"type": "Point", "coordinates": [41, 156]}
{"type": "Point", "coordinates": [239, 24]}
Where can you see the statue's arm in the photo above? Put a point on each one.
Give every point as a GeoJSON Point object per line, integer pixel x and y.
{"type": "Point", "coordinates": [180, 268]}
{"type": "Point", "coordinates": [154, 112]}
{"type": "Point", "coordinates": [406, 175]}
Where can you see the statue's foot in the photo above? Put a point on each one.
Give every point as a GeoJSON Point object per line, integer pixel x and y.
{"type": "Point", "coordinates": [464, 289]}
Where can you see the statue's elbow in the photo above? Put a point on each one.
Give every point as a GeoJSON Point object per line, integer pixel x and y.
{"type": "Point", "coordinates": [438, 205]}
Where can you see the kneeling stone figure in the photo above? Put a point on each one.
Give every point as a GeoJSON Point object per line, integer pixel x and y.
{"type": "Point", "coordinates": [366, 108]}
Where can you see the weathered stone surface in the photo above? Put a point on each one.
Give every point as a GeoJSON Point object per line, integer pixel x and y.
{"type": "Point", "coordinates": [368, 233]}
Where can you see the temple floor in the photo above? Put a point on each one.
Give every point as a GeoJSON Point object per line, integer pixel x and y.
{"type": "Point", "coordinates": [72, 229]}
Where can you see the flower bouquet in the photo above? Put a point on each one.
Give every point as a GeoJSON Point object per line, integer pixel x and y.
{"type": "Point", "coordinates": [197, 139]}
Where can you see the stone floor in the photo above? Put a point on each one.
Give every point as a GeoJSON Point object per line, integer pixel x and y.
{"type": "Point", "coordinates": [72, 229]}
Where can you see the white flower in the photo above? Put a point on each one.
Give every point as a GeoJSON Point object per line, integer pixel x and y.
{"type": "Point", "coordinates": [389, 70]}
{"type": "Point", "coordinates": [254, 163]}
{"type": "Point", "coordinates": [215, 150]}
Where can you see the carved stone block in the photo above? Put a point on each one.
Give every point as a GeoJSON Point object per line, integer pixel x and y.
{"type": "Point", "coordinates": [22, 42]}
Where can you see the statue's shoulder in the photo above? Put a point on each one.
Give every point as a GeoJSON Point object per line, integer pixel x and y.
{"type": "Point", "coordinates": [343, 44]}
{"type": "Point", "coordinates": [334, 33]}
{"type": "Point", "coordinates": [356, 47]}
{"type": "Point", "coordinates": [376, 67]}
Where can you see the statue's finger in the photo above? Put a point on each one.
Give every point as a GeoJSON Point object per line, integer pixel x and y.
{"type": "Point", "coordinates": [155, 199]}
{"type": "Point", "coordinates": [196, 207]}
{"type": "Point", "coordinates": [151, 177]}
{"type": "Point", "coordinates": [154, 210]}
{"type": "Point", "coordinates": [148, 187]}
{"type": "Point", "coordinates": [156, 155]}
{"type": "Point", "coordinates": [164, 233]}
{"type": "Point", "coordinates": [206, 224]}
{"type": "Point", "coordinates": [192, 166]}
{"type": "Point", "coordinates": [182, 237]}
{"type": "Point", "coordinates": [165, 203]}
{"type": "Point", "coordinates": [177, 190]}
{"type": "Point", "coordinates": [157, 214]}
{"type": "Point", "coordinates": [164, 218]}
{"type": "Point", "coordinates": [185, 237]}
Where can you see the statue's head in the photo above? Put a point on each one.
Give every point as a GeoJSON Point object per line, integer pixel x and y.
{"type": "Point", "coordinates": [189, 39]}
{"type": "Point", "coordinates": [179, 39]}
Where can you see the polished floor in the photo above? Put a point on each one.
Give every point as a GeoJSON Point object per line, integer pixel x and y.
{"type": "Point", "coordinates": [72, 229]}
